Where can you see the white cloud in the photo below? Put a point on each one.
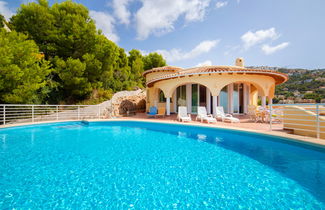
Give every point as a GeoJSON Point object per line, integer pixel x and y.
{"type": "Point", "coordinates": [205, 63]}
{"type": "Point", "coordinates": [5, 10]}
{"type": "Point", "coordinates": [220, 4]}
{"type": "Point", "coordinates": [267, 49]}
{"type": "Point", "coordinates": [252, 38]}
{"type": "Point", "coordinates": [159, 16]}
{"type": "Point", "coordinates": [121, 11]}
{"type": "Point", "coordinates": [177, 54]}
{"type": "Point", "coordinates": [105, 22]}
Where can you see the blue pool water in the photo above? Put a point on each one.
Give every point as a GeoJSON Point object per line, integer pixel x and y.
{"type": "Point", "coordinates": [138, 165]}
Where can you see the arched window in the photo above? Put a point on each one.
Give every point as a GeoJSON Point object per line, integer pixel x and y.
{"type": "Point", "coordinates": [162, 97]}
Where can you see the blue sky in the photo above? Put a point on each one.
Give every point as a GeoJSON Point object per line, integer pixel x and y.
{"type": "Point", "coordinates": [283, 33]}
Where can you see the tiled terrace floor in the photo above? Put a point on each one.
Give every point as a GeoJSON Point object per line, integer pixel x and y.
{"type": "Point", "coordinates": [245, 122]}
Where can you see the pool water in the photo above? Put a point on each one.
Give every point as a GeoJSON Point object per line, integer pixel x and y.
{"type": "Point", "coordinates": [138, 165]}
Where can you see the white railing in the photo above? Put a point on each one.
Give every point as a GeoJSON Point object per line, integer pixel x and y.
{"type": "Point", "coordinates": [24, 113]}
{"type": "Point", "coordinates": [301, 119]}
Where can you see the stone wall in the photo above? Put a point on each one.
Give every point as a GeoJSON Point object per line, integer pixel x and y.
{"type": "Point", "coordinates": [125, 103]}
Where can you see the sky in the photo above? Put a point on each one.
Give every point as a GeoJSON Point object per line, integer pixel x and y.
{"type": "Point", "coordinates": [188, 33]}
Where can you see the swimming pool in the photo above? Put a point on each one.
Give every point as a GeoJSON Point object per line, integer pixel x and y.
{"type": "Point", "coordinates": [153, 165]}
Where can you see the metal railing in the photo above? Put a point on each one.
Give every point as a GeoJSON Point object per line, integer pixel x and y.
{"type": "Point", "coordinates": [300, 119]}
{"type": "Point", "coordinates": [24, 113]}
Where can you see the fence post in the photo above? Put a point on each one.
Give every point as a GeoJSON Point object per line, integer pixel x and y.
{"type": "Point", "coordinates": [317, 121]}
{"type": "Point", "coordinates": [78, 112]}
{"type": "Point", "coordinates": [4, 115]}
{"type": "Point", "coordinates": [270, 116]}
{"type": "Point", "coordinates": [32, 113]}
{"type": "Point", "coordinates": [98, 111]}
{"type": "Point", "coordinates": [57, 112]}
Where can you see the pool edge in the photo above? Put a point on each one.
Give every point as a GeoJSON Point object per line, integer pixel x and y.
{"type": "Point", "coordinates": [291, 137]}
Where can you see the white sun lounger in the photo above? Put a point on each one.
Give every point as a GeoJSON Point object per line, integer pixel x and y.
{"type": "Point", "coordinates": [203, 115]}
{"type": "Point", "coordinates": [221, 114]}
{"type": "Point", "coordinates": [182, 114]}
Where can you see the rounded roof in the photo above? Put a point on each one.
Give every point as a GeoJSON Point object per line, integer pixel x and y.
{"type": "Point", "coordinates": [179, 72]}
{"type": "Point", "coordinates": [163, 68]}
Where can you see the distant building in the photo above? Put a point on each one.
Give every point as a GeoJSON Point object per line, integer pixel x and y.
{"type": "Point", "coordinates": [296, 93]}
{"type": "Point", "coordinates": [308, 80]}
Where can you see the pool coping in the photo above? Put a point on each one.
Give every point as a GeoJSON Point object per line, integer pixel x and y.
{"type": "Point", "coordinates": [295, 138]}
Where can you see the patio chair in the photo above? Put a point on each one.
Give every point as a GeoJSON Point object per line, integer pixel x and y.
{"type": "Point", "coordinates": [182, 114]}
{"type": "Point", "coordinates": [221, 114]}
{"type": "Point", "coordinates": [203, 115]}
{"type": "Point", "coordinates": [161, 112]}
{"type": "Point", "coordinates": [262, 114]}
{"type": "Point", "coordinates": [152, 111]}
{"type": "Point", "coordinates": [252, 113]}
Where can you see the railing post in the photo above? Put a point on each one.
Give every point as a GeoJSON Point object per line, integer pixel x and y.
{"type": "Point", "coordinates": [98, 111]}
{"type": "Point", "coordinates": [317, 121]}
{"type": "Point", "coordinates": [57, 112]}
{"type": "Point", "coordinates": [4, 115]}
{"type": "Point", "coordinates": [78, 112]}
{"type": "Point", "coordinates": [270, 117]}
{"type": "Point", "coordinates": [32, 113]}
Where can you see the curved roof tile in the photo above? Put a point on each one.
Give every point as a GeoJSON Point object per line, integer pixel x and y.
{"type": "Point", "coordinates": [179, 72]}
{"type": "Point", "coordinates": [163, 68]}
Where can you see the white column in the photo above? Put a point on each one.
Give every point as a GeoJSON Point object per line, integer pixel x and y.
{"type": "Point", "coordinates": [245, 93]}
{"type": "Point", "coordinates": [175, 101]}
{"type": "Point", "coordinates": [168, 105]}
{"type": "Point", "coordinates": [263, 101]}
{"type": "Point", "coordinates": [189, 97]}
{"type": "Point", "coordinates": [270, 100]}
{"type": "Point", "coordinates": [248, 94]}
{"type": "Point", "coordinates": [214, 105]}
{"type": "Point", "coordinates": [208, 101]}
{"type": "Point", "coordinates": [230, 98]}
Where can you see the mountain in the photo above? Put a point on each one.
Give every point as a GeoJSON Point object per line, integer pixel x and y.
{"type": "Point", "coordinates": [303, 86]}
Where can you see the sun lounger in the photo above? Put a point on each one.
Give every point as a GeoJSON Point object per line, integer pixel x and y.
{"type": "Point", "coordinates": [221, 114]}
{"type": "Point", "coordinates": [182, 114]}
{"type": "Point", "coordinates": [204, 116]}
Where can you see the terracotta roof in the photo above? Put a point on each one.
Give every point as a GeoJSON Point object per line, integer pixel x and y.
{"type": "Point", "coordinates": [164, 68]}
{"type": "Point", "coordinates": [278, 76]}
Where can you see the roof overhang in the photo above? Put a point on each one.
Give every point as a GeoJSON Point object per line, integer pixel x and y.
{"type": "Point", "coordinates": [209, 70]}
{"type": "Point", "coordinates": [162, 69]}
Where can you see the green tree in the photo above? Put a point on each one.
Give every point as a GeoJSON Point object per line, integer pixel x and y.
{"type": "Point", "coordinates": [2, 21]}
{"type": "Point", "coordinates": [23, 71]}
{"type": "Point", "coordinates": [153, 60]}
{"type": "Point", "coordinates": [36, 20]}
{"type": "Point", "coordinates": [72, 74]}
{"type": "Point", "coordinates": [136, 64]}
{"type": "Point", "coordinates": [64, 30]}
{"type": "Point", "coordinates": [107, 52]}
{"type": "Point", "coordinates": [121, 72]}
{"type": "Point", "coordinates": [75, 30]}
{"type": "Point", "coordinates": [86, 63]}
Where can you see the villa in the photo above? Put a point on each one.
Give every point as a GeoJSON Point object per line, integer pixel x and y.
{"type": "Point", "coordinates": [233, 87]}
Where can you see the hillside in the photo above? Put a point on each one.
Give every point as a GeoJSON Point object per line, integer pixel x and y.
{"type": "Point", "coordinates": [303, 86]}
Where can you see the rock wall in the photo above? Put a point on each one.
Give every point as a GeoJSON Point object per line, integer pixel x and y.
{"type": "Point", "coordinates": [124, 103]}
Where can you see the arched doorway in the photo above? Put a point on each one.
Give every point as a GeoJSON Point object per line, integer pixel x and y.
{"type": "Point", "coordinates": [236, 97]}
{"type": "Point", "coordinates": [193, 95]}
